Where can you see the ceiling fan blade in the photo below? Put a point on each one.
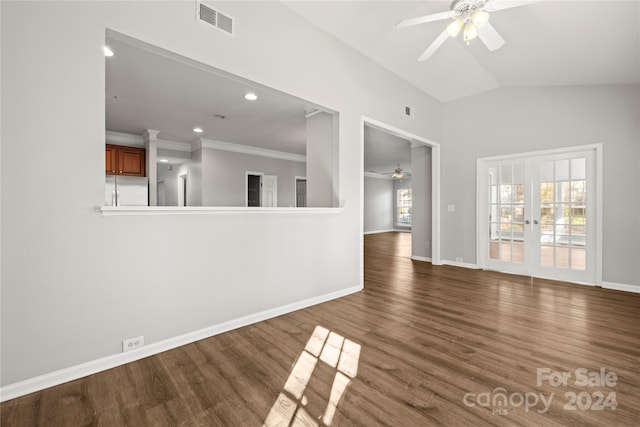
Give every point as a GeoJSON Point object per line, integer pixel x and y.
{"type": "Point", "coordinates": [490, 37]}
{"type": "Point", "coordinates": [493, 5]}
{"type": "Point", "coordinates": [424, 19]}
{"type": "Point", "coordinates": [434, 46]}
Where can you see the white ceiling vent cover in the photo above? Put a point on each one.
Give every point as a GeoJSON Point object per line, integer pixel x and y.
{"type": "Point", "coordinates": [210, 16]}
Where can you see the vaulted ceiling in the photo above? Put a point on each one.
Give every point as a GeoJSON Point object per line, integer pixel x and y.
{"type": "Point", "coordinates": [548, 43]}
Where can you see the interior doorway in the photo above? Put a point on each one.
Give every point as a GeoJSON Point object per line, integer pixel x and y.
{"type": "Point", "coordinates": [301, 191]}
{"type": "Point", "coordinates": [425, 186]}
{"type": "Point", "coordinates": [261, 190]}
{"type": "Point", "coordinates": [253, 189]}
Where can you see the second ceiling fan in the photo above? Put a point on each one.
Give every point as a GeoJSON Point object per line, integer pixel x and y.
{"type": "Point", "coordinates": [469, 16]}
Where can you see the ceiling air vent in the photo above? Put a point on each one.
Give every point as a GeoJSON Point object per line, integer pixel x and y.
{"type": "Point", "coordinates": [210, 16]}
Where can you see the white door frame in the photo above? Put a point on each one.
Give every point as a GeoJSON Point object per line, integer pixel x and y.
{"type": "Point", "coordinates": [435, 185]}
{"type": "Point", "coordinates": [183, 186]}
{"type": "Point", "coordinates": [481, 184]}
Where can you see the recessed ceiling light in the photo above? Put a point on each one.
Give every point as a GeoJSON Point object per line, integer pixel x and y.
{"type": "Point", "coordinates": [107, 51]}
{"type": "Point", "coordinates": [197, 130]}
{"type": "Point", "coordinates": [250, 96]}
{"type": "Point", "coordinates": [164, 160]}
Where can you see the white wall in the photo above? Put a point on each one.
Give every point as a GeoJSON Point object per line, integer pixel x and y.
{"type": "Point", "coordinates": [378, 204]}
{"type": "Point", "coordinates": [517, 120]}
{"type": "Point", "coordinates": [193, 170]}
{"type": "Point", "coordinates": [74, 284]}
{"type": "Point", "coordinates": [224, 177]}
{"type": "Point", "coordinates": [169, 175]}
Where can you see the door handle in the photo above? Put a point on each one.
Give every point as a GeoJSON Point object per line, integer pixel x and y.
{"type": "Point", "coordinates": [535, 221]}
{"type": "Point", "coordinates": [526, 221]}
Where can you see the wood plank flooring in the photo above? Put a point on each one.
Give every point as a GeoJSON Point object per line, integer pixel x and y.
{"type": "Point", "coordinates": [428, 336]}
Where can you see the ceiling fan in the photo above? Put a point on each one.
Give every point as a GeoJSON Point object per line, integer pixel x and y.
{"type": "Point", "coordinates": [473, 16]}
{"type": "Point", "coordinates": [397, 173]}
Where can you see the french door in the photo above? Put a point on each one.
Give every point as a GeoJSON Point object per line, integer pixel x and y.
{"type": "Point", "coordinates": [536, 215]}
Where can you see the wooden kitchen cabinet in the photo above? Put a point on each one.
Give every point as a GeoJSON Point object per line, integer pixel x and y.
{"type": "Point", "coordinates": [121, 160]}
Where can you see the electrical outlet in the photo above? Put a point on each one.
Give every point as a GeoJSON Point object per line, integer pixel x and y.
{"type": "Point", "coordinates": [458, 259]}
{"type": "Point", "coordinates": [132, 343]}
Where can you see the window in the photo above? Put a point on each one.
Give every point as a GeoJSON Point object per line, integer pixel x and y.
{"type": "Point", "coordinates": [404, 207]}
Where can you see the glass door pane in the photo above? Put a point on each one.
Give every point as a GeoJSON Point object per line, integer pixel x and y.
{"type": "Point", "coordinates": [562, 204]}
{"type": "Point", "coordinates": [563, 213]}
{"type": "Point", "coordinates": [506, 214]}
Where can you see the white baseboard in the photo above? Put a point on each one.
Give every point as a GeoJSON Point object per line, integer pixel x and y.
{"type": "Point", "coordinates": [379, 231]}
{"type": "Point", "coordinates": [621, 287]}
{"type": "Point", "coordinates": [420, 258]}
{"type": "Point", "coordinates": [461, 264]}
{"type": "Point", "coordinates": [61, 376]}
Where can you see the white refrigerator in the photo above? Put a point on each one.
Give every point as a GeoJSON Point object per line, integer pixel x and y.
{"type": "Point", "coordinates": [126, 191]}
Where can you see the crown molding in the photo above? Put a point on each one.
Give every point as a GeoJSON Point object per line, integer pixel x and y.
{"type": "Point", "coordinates": [378, 176]}
{"type": "Point", "coordinates": [246, 149]}
{"type": "Point", "coordinates": [126, 139]}
{"type": "Point", "coordinates": [173, 145]}
{"type": "Point", "coordinates": [131, 140]}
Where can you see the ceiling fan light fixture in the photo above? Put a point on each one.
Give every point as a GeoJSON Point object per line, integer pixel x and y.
{"type": "Point", "coordinates": [480, 18]}
{"type": "Point", "coordinates": [454, 28]}
{"type": "Point", "coordinates": [470, 32]}
{"type": "Point", "coordinates": [397, 175]}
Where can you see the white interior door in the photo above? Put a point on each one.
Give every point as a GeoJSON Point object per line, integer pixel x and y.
{"type": "Point", "coordinates": [269, 191]}
{"type": "Point", "coordinates": [536, 215]}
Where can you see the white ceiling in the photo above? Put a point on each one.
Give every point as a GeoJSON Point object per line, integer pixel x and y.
{"type": "Point", "coordinates": [547, 43]}
{"type": "Point", "coordinates": [383, 152]}
{"type": "Point", "coordinates": [148, 90]}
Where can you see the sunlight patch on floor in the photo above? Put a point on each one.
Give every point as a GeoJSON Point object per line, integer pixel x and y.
{"type": "Point", "coordinates": [341, 354]}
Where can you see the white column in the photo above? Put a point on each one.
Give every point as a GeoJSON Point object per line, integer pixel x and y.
{"type": "Point", "coordinates": [421, 190]}
{"type": "Point", "coordinates": [151, 145]}
{"type": "Point", "coordinates": [320, 159]}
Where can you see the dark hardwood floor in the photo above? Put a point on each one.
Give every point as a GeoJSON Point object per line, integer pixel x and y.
{"type": "Point", "coordinates": [404, 352]}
